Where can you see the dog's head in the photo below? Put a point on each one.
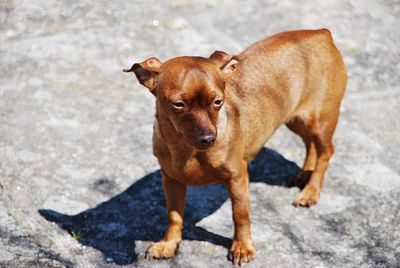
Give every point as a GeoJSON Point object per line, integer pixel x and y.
{"type": "Point", "coordinates": [189, 92]}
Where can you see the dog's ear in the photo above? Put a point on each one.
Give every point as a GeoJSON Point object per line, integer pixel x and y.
{"type": "Point", "coordinates": [147, 72]}
{"type": "Point", "coordinates": [225, 62]}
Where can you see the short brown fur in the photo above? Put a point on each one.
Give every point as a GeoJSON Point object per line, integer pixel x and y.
{"type": "Point", "coordinates": [215, 114]}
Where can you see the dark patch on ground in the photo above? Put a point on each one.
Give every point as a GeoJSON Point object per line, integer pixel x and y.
{"type": "Point", "coordinates": [105, 185]}
{"type": "Point", "coordinates": [23, 246]}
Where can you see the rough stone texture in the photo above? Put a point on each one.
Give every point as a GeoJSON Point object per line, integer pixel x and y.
{"type": "Point", "coordinates": [79, 185]}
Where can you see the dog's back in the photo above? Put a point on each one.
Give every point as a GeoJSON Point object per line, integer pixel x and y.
{"type": "Point", "coordinates": [287, 75]}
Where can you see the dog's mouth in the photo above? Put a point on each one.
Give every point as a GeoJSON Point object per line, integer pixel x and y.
{"type": "Point", "coordinates": [200, 149]}
{"type": "Point", "coordinates": [203, 147]}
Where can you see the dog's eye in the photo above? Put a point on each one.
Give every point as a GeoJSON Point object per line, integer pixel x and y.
{"type": "Point", "coordinates": [218, 102]}
{"type": "Point", "coordinates": [178, 105]}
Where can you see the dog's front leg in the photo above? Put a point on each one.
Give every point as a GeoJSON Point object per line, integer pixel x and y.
{"type": "Point", "coordinates": [175, 194]}
{"type": "Point", "coordinates": [242, 249]}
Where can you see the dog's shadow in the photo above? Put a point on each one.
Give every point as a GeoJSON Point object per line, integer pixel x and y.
{"type": "Point", "coordinates": [139, 212]}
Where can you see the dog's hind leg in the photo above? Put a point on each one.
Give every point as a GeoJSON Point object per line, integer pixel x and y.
{"type": "Point", "coordinates": [297, 125]}
{"type": "Point", "coordinates": [321, 127]}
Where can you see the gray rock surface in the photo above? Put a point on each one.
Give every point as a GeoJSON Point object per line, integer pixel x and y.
{"type": "Point", "coordinates": [79, 185]}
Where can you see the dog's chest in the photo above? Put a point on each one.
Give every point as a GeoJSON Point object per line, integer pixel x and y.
{"type": "Point", "coordinates": [192, 168]}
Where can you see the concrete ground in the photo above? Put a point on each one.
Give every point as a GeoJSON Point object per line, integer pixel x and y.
{"type": "Point", "coordinates": [79, 185]}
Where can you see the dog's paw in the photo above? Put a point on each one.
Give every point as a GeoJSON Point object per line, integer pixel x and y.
{"type": "Point", "coordinates": [308, 196]}
{"type": "Point", "coordinates": [162, 250]}
{"type": "Point", "coordinates": [242, 252]}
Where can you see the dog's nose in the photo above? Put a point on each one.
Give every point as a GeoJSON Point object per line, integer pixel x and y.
{"type": "Point", "coordinates": [207, 139]}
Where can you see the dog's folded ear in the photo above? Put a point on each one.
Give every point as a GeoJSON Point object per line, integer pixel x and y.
{"type": "Point", "coordinates": [147, 72]}
{"type": "Point", "coordinates": [225, 62]}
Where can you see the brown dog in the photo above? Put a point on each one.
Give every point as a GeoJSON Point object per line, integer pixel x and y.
{"type": "Point", "coordinates": [214, 114]}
